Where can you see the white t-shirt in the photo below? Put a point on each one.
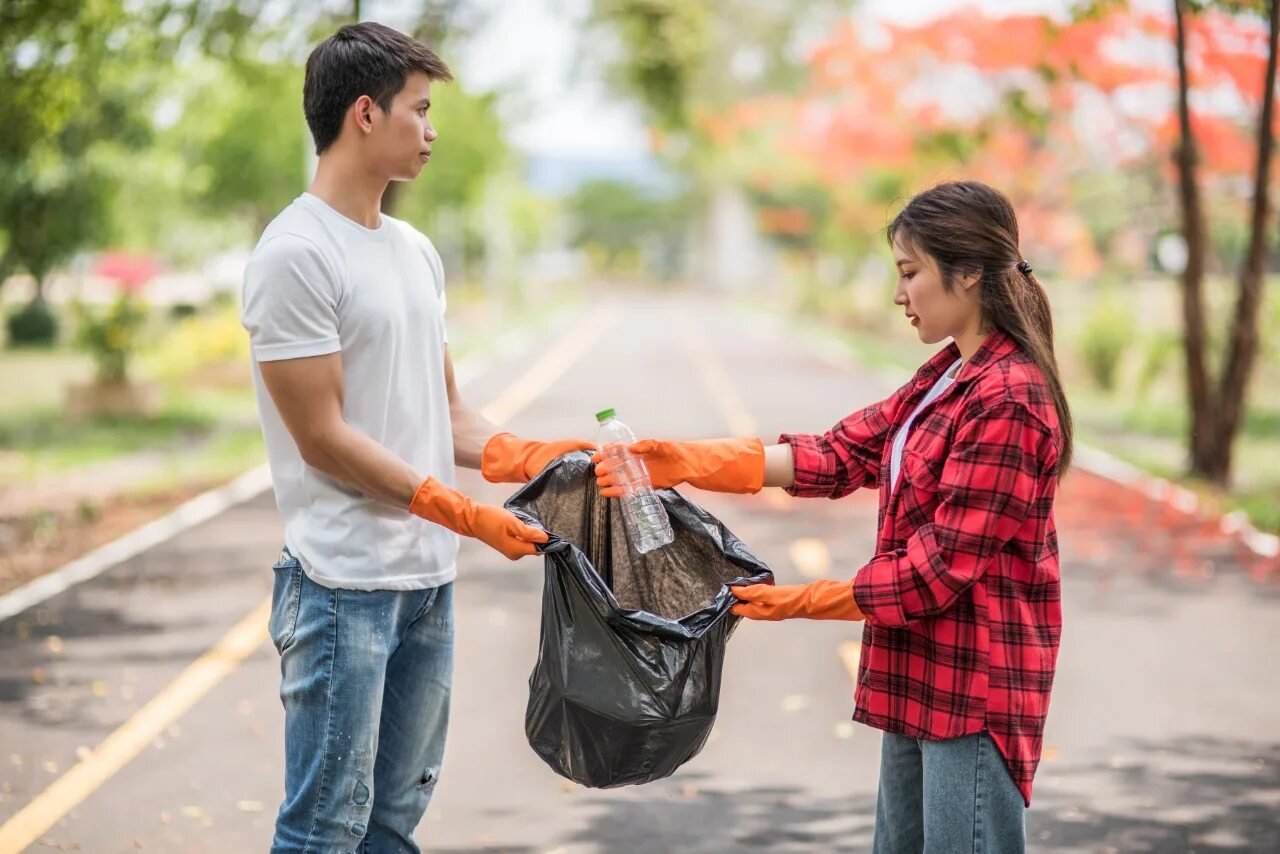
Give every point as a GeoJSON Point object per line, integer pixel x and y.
{"type": "Point", "coordinates": [320, 283]}
{"type": "Point", "coordinates": [940, 385]}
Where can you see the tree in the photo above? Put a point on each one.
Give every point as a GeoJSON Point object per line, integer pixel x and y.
{"type": "Point", "coordinates": [684, 60]}
{"type": "Point", "coordinates": [78, 80]}
{"type": "Point", "coordinates": [51, 188]}
{"type": "Point", "coordinates": [241, 170]}
{"type": "Point", "coordinates": [1052, 105]}
{"type": "Point", "coordinates": [1217, 408]}
{"type": "Point", "coordinates": [616, 217]}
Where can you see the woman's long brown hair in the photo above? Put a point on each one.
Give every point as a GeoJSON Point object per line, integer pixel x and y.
{"type": "Point", "coordinates": [967, 227]}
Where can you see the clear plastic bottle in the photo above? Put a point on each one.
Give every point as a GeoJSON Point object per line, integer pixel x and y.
{"type": "Point", "coordinates": [648, 527]}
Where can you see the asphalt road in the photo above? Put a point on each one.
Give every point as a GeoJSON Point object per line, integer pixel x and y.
{"type": "Point", "coordinates": [1164, 733]}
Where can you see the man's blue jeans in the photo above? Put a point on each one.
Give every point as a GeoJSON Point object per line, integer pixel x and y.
{"type": "Point", "coordinates": [365, 684]}
{"type": "Point", "coordinates": [946, 797]}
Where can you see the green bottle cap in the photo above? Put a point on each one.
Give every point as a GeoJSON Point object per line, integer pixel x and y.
{"type": "Point", "coordinates": [605, 414]}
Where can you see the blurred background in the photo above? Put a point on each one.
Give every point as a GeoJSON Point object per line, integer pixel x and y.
{"type": "Point", "coordinates": [752, 151]}
{"type": "Point", "coordinates": [680, 205]}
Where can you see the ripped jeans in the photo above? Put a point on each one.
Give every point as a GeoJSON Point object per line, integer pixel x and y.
{"type": "Point", "coordinates": [365, 685]}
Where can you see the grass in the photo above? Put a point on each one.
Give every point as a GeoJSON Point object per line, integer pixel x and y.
{"type": "Point", "coordinates": [44, 442]}
{"type": "Point", "coordinates": [38, 440]}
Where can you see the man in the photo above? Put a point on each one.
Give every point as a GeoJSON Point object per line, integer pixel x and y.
{"type": "Point", "coordinates": [363, 425]}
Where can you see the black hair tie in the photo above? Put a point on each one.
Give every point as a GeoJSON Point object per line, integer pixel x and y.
{"type": "Point", "coordinates": [1024, 267]}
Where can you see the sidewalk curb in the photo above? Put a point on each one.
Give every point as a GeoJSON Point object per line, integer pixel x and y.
{"type": "Point", "coordinates": [1093, 460]}
{"type": "Point", "coordinates": [203, 507]}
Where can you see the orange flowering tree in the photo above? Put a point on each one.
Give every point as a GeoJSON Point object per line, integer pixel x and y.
{"type": "Point", "coordinates": [1093, 125]}
{"type": "Point", "coordinates": [1025, 102]}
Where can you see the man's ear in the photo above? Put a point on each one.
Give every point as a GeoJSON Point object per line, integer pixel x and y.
{"type": "Point", "coordinates": [362, 110]}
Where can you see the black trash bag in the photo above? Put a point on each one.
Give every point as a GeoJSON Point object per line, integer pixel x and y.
{"type": "Point", "coordinates": [627, 682]}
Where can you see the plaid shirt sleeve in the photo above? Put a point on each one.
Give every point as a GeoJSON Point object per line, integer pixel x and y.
{"type": "Point", "coordinates": [990, 481]}
{"type": "Point", "coordinates": [846, 457]}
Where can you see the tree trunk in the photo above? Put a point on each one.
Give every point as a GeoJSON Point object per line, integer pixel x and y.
{"type": "Point", "coordinates": [1199, 394]}
{"type": "Point", "coordinates": [1243, 348]}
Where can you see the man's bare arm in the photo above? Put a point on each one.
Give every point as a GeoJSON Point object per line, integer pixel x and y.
{"type": "Point", "coordinates": [308, 394]}
{"type": "Point", "coordinates": [471, 430]}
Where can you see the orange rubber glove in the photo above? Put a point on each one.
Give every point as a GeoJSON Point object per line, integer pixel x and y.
{"type": "Point", "coordinates": [496, 527]}
{"type": "Point", "coordinates": [509, 459]}
{"type": "Point", "coordinates": [717, 465]}
{"type": "Point", "coordinates": [819, 600]}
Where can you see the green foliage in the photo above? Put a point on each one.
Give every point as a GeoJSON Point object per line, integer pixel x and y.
{"type": "Point", "coordinates": [111, 336]}
{"type": "Point", "coordinates": [209, 338]}
{"type": "Point", "coordinates": [1107, 334]}
{"type": "Point", "coordinates": [665, 44]}
{"type": "Point", "coordinates": [470, 150]}
{"type": "Point", "coordinates": [1270, 332]}
{"type": "Point", "coordinates": [62, 98]}
{"type": "Point", "coordinates": [49, 441]}
{"type": "Point", "coordinates": [79, 81]}
{"type": "Point", "coordinates": [1161, 349]}
{"type": "Point", "coordinates": [617, 218]}
{"type": "Point", "coordinates": [33, 325]}
{"type": "Point", "coordinates": [244, 127]}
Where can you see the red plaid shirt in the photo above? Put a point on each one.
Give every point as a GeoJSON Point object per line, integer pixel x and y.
{"type": "Point", "coordinates": [962, 598]}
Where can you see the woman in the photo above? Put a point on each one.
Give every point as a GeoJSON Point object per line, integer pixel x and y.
{"type": "Point", "coordinates": [962, 598]}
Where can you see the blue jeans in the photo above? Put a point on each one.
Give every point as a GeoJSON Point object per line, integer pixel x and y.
{"type": "Point", "coordinates": [365, 684]}
{"type": "Point", "coordinates": [946, 797]}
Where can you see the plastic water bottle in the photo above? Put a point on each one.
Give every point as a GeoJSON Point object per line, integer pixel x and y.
{"type": "Point", "coordinates": [647, 524]}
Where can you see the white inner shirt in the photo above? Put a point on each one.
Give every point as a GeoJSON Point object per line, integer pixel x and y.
{"type": "Point", "coordinates": [899, 441]}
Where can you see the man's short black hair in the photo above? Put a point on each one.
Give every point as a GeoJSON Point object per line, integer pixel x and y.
{"type": "Point", "coordinates": [361, 59]}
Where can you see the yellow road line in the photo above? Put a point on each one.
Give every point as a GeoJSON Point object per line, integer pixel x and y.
{"type": "Point", "coordinates": [549, 368]}
{"type": "Point", "coordinates": [729, 403]}
{"type": "Point", "coordinates": [136, 733]}
{"type": "Point", "coordinates": [204, 674]}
